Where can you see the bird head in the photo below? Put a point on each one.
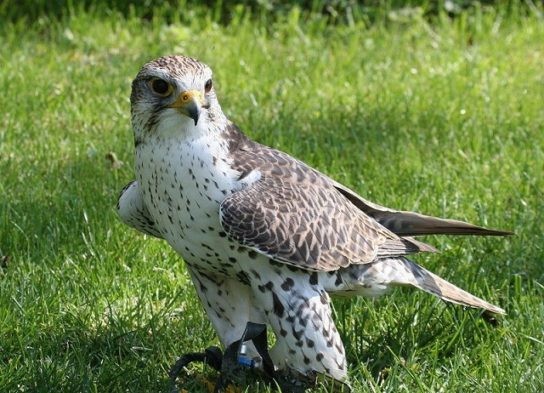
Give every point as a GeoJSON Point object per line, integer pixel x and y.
{"type": "Point", "coordinates": [173, 96]}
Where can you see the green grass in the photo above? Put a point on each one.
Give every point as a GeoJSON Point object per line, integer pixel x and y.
{"type": "Point", "coordinates": [444, 118]}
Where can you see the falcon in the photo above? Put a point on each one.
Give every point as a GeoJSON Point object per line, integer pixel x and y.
{"type": "Point", "coordinates": [266, 238]}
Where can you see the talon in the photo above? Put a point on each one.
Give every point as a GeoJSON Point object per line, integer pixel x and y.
{"type": "Point", "coordinates": [212, 356]}
{"type": "Point", "coordinates": [293, 381]}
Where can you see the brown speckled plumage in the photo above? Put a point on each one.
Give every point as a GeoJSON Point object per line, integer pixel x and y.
{"type": "Point", "coordinates": [295, 215]}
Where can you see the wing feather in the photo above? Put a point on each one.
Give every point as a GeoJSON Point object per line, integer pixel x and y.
{"type": "Point", "coordinates": [406, 223]}
{"type": "Point", "coordinates": [133, 211]}
{"type": "Point", "coordinates": [295, 215]}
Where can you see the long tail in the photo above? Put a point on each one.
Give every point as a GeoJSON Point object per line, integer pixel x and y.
{"type": "Point", "coordinates": [409, 273]}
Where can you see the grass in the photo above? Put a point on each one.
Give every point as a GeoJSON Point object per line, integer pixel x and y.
{"type": "Point", "coordinates": [443, 118]}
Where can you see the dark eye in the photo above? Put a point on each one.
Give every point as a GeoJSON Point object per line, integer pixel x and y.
{"type": "Point", "coordinates": [160, 87]}
{"type": "Point", "coordinates": [208, 86]}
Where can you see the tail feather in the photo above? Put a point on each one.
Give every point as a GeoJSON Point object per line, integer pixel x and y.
{"type": "Point", "coordinates": [429, 282]}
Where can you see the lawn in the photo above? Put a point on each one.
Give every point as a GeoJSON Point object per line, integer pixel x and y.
{"type": "Point", "coordinates": [444, 117]}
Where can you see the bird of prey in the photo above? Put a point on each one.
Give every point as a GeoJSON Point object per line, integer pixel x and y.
{"type": "Point", "coordinates": [266, 238]}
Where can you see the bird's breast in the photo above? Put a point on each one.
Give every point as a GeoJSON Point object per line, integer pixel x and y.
{"type": "Point", "coordinates": [183, 185]}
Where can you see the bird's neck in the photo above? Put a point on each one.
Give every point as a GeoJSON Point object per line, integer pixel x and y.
{"type": "Point", "coordinates": [187, 142]}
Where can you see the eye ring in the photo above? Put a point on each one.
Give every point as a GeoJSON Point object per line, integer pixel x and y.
{"type": "Point", "coordinates": [208, 86]}
{"type": "Point", "coordinates": [160, 87]}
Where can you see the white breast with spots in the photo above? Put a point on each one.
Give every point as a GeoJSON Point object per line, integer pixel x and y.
{"type": "Point", "coordinates": [183, 184]}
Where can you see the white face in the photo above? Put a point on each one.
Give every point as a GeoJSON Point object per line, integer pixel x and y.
{"type": "Point", "coordinates": [173, 97]}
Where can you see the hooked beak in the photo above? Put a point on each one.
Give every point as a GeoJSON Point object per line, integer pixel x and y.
{"type": "Point", "coordinates": [190, 104]}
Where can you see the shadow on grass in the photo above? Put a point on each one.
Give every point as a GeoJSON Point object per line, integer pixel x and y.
{"type": "Point", "coordinates": [81, 351]}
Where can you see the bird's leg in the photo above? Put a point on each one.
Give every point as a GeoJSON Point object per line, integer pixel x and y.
{"type": "Point", "coordinates": [235, 357]}
{"type": "Point", "coordinates": [256, 332]}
